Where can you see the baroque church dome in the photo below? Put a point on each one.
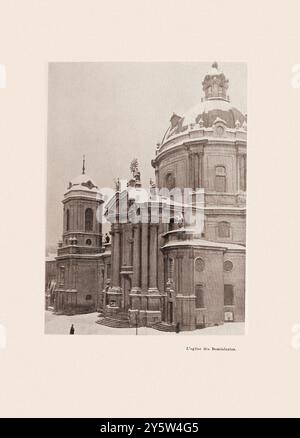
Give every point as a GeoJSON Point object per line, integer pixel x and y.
{"type": "Point", "coordinates": [214, 105]}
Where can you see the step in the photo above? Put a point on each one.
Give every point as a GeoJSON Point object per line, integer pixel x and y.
{"type": "Point", "coordinates": [164, 327]}
{"type": "Point", "coordinates": [115, 323]}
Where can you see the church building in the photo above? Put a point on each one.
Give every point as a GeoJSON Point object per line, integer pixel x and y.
{"type": "Point", "coordinates": [163, 268]}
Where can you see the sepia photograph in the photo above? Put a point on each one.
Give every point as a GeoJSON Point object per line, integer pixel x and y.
{"type": "Point", "coordinates": [146, 198]}
{"type": "Point", "coordinates": [149, 226]}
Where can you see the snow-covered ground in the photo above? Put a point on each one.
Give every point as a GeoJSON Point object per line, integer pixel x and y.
{"type": "Point", "coordinates": [86, 325]}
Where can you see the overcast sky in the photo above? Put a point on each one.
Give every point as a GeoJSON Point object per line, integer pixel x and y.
{"type": "Point", "coordinates": [113, 112]}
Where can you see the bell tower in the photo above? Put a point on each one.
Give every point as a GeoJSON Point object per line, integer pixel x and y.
{"type": "Point", "coordinates": [79, 252]}
{"type": "Point", "coordinates": [82, 202]}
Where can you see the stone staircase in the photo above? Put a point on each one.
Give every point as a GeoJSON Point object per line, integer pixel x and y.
{"type": "Point", "coordinates": [121, 320]}
{"type": "Point", "coordinates": [163, 327]}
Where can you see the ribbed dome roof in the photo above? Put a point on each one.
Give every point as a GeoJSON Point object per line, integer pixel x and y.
{"type": "Point", "coordinates": [82, 182]}
{"type": "Point", "coordinates": [214, 105]}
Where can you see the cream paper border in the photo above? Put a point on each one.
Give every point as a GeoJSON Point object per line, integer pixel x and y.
{"type": "Point", "coordinates": [152, 376]}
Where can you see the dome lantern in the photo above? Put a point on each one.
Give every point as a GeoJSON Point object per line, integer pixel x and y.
{"type": "Point", "coordinates": [215, 84]}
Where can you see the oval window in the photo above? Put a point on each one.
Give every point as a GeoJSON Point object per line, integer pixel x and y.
{"type": "Point", "coordinates": [199, 265]}
{"type": "Point", "coordinates": [228, 265]}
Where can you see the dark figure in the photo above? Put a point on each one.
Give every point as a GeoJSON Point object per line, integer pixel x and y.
{"type": "Point", "coordinates": [107, 238]}
{"type": "Point", "coordinates": [178, 327]}
{"type": "Point", "coordinates": [72, 330]}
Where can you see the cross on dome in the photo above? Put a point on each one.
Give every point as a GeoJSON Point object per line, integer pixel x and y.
{"type": "Point", "coordinates": [83, 165]}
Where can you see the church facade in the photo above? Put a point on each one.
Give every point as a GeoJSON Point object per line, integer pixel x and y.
{"type": "Point", "coordinates": [163, 267]}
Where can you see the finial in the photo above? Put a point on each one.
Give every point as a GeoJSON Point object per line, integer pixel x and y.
{"type": "Point", "coordinates": [152, 183]}
{"type": "Point", "coordinates": [134, 166]}
{"type": "Point", "coordinates": [215, 65]}
{"type": "Point", "coordinates": [83, 165]}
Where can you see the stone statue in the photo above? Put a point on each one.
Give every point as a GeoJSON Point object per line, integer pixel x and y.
{"type": "Point", "coordinates": [134, 166]}
{"type": "Point", "coordinates": [152, 183]}
{"type": "Point", "coordinates": [117, 184]}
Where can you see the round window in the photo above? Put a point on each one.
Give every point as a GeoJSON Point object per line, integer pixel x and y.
{"type": "Point", "coordinates": [199, 265]}
{"type": "Point", "coordinates": [88, 241]}
{"type": "Point", "coordinates": [228, 265]}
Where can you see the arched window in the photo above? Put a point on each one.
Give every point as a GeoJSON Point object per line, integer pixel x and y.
{"type": "Point", "coordinates": [88, 297]}
{"type": "Point", "coordinates": [199, 292]}
{"type": "Point", "coordinates": [223, 229]}
{"type": "Point", "coordinates": [88, 219]}
{"type": "Point", "coordinates": [228, 295]}
{"type": "Point", "coordinates": [220, 179]}
{"type": "Point", "coordinates": [68, 220]}
{"type": "Point", "coordinates": [88, 242]}
{"type": "Point", "coordinates": [172, 224]}
{"type": "Point", "coordinates": [170, 181]}
{"type": "Point", "coordinates": [199, 265]}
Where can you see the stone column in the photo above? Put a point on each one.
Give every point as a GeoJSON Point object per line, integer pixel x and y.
{"type": "Point", "coordinates": [160, 262]}
{"type": "Point", "coordinates": [196, 170]}
{"type": "Point", "coordinates": [201, 167]}
{"type": "Point", "coordinates": [242, 172]}
{"type": "Point", "coordinates": [136, 284]}
{"type": "Point", "coordinates": [237, 171]}
{"type": "Point", "coordinates": [153, 259]}
{"type": "Point", "coordinates": [116, 258]}
{"type": "Point", "coordinates": [190, 170]}
{"type": "Point", "coordinates": [144, 254]}
{"type": "Point", "coordinates": [124, 238]}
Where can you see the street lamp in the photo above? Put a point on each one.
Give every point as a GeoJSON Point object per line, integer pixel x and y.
{"type": "Point", "coordinates": [137, 321]}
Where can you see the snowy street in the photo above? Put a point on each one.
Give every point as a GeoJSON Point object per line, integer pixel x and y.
{"type": "Point", "coordinates": [86, 325]}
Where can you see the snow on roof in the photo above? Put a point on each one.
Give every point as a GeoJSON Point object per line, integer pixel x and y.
{"type": "Point", "coordinates": [205, 243]}
{"type": "Point", "coordinates": [213, 72]}
{"type": "Point", "coordinates": [205, 107]}
{"type": "Point", "coordinates": [82, 182]}
{"type": "Point", "coordinates": [51, 257]}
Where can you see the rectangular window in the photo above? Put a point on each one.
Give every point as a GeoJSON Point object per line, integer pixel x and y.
{"type": "Point", "coordinates": [220, 183]}
{"type": "Point", "coordinates": [108, 270]}
{"type": "Point", "coordinates": [224, 229]}
{"type": "Point", "coordinates": [228, 295]}
{"type": "Point", "coordinates": [199, 292]}
{"type": "Point", "coordinates": [61, 275]}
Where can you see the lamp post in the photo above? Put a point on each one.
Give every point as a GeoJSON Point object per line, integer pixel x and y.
{"type": "Point", "coordinates": [137, 321]}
